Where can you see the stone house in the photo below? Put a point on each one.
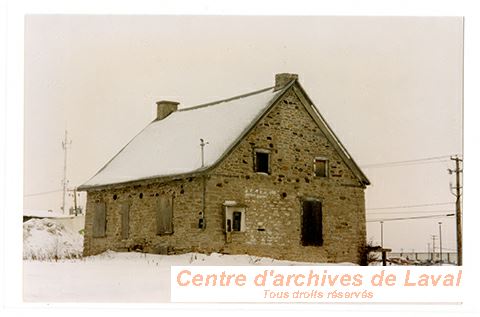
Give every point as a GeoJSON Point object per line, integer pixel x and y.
{"type": "Point", "coordinates": [260, 174]}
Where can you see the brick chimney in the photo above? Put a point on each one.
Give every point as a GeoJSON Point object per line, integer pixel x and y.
{"type": "Point", "coordinates": [165, 108]}
{"type": "Point", "coordinates": [281, 80]}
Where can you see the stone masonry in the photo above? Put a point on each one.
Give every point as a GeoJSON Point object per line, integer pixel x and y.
{"type": "Point", "coordinates": [273, 203]}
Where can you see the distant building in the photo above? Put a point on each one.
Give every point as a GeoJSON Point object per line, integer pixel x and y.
{"type": "Point", "coordinates": [274, 181]}
{"type": "Point", "coordinates": [39, 214]}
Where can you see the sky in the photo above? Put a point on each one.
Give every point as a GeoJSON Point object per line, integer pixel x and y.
{"type": "Point", "coordinates": [390, 87]}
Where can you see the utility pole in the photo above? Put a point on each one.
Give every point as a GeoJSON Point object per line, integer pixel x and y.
{"type": "Point", "coordinates": [65, 144]}
{"type": "Point", "coordinates": [75, 201]}
{"type": "Point", "coordinates": [381, 234]}
{"type": "Point", "coordinates": [433, 247]}
{"type": "Point", "coordinates": [75, 205]}
{"type": "Point", "coordinates": [440, 239]}
{"type": "Point", "coordinates": [458, 207]}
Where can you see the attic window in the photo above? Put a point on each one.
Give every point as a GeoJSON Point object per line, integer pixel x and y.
{"type": "Point", "coordinates": [262, 161]}
{"type": "Point", "coordinates": [320, 167]}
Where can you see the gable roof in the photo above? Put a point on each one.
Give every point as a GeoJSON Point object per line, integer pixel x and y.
{"type": "Point", "coordinates": [171, 147]}
{"type": "Point", "coordinates": [329, 134]}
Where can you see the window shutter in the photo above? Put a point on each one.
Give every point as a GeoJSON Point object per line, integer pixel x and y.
{"type": "Point", "coordinates": [164, 214]}
{"type": "Point", "coordinates": [99, 220]}
{"type": "Point", "coordinates": [125, 214]}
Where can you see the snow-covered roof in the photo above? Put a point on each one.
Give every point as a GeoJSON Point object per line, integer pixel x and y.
{"type": "Point", "coordinates": [171, 146]}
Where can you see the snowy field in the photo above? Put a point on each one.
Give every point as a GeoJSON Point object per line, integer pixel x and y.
{"type": "Point", "coordinates": [119, 277]}
{"type": "Point", "coordinates": [54, 271]}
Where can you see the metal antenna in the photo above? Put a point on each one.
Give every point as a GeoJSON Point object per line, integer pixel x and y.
{"type": "Point", "coordinates": [65, 144]}
{"type": "Point", "coordinates": [202, 221]}
{"type": "Point", "coordinates": [202, 145]}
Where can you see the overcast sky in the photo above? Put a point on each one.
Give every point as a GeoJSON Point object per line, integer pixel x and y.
{"type": "Point", "coordinates": [390, 87]}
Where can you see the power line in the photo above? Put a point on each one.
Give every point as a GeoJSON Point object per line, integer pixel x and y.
{"type": "Point", "coordinates": [450, 249]}
{"type": "Point", "coordinates": [411, 218]}
{"type": "Point", "coordinates": [410, 206]}
{"type": "Point", "coordinates": [43, 193]}
{"type": "Point", "coordinates": [393, 164]}
{"type": "Point", "coordinates": [436, 159]}
{"type": "Point", "coordinates": [410, 161]}
{"type": "Point", "coordinates": [407, 212]}
{"type": "Point", "coordinates": [406, 164]}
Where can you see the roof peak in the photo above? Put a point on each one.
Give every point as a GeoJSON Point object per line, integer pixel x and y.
{"type": "Point", "coordinates": [212, 103]}
{"type": "Point", "coordinates": [283, 79]}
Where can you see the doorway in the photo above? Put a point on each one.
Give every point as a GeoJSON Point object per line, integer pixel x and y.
{"type": "Point", "coordinates": [312, 224]}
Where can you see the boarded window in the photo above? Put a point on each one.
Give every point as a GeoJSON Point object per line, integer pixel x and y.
{"type": "Point", "coordinates": [125, 215]}
{"type": "Point", "coordinates": [262, 161]}
{"type": "Point", "coordinates": [312, 228]}
{"type": "Point", "coordinates": [99, 220]}
{"type": "Point", "coordinates": [164, 214]}
{"type": "Point", "coordinates": [321, 167]}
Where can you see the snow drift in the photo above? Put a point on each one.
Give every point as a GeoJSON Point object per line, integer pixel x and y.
{"type": "Point", "coordinates": [45, 239]}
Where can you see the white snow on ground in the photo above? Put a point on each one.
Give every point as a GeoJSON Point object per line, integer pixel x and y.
{"type": "Point", "coordinates": [47, 239]}
{"type": "Point", "coordinates": [120, 277]}
{"type": "Point", "coordinates": [55, 272]}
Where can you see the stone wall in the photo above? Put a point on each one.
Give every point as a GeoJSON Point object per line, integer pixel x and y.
{"type": "Point", "coordinates": [186, 235]}
{"type": "Point", "coordinates": [273, 202]}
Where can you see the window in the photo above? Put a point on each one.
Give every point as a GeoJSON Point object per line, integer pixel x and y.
{"type": "Point", "coordinates": [312, 226]}
{"type": "Point", "coordinates": [164, 214]}
{"type": "Point", "coordinates": [320, 167]}
{"type": "Point", "coordinates": [237, 221]}
{"type": "Point", "coordinates": [235, 218]}
{"type": "Point", "coordinates": [262, 161]}
{"type": "Point", "coordinates": [99, 220]}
